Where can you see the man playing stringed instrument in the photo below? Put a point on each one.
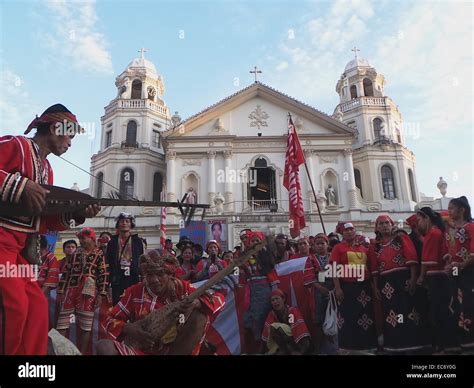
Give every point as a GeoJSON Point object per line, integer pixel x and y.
{"type": "Point", "coordinates": [23, 168]}
{"type": "Point", "coordinates": [159, 289]}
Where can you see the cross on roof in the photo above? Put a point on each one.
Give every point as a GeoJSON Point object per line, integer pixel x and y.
{"type": "Point", "coordinates": [355, 49]}
{"type": "Point", "coordinates": [255, 71]}
{"type": "Point", "coordinates": [142, 52]}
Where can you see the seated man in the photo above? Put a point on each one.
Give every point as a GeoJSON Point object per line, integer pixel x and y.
{"type": "Point", "coordinates": [285, 331]}
{"type": "Point", "coordinates": [159, 288]}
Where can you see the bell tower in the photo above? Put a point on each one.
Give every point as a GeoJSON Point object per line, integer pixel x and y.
{"type": "Point", "coordinates": [384, 168]}
{"type": "Point", "coordinates": [131, 156]}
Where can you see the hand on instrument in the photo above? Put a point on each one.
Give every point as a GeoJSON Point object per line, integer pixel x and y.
{"type": "Point", "coordinates": [89, 212]}
{"type": "Point", "coordinates": [34, 196]}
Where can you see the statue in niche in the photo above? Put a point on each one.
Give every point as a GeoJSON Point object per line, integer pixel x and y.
{"type": "Point", "coordinates": [123, 89]}
{"type": "Point", "coordinates": [331, 196]}
{"type": "Point", "coordinates": [219, 203]}
{"type": "Point", "coordinates": [442, 186]}
{"type": "Point", "coordinates": [191, 196]}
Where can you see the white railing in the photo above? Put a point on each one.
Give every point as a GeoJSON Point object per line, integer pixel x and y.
{"type": "Point", "coordinates": [136, 104]}
{"type": "Point", "coordinates": [274, 206]}
{"type": "Point", "coordinates": [363, 101]}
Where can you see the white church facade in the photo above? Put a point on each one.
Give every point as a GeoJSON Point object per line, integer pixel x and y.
{"type": "Point", "coordinates": [232, 156]}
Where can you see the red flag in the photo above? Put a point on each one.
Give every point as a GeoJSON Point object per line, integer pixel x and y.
{"type": "Point", "coordinates": [291, 180]}
{"type": "Point", "coordinates": [163, 223]}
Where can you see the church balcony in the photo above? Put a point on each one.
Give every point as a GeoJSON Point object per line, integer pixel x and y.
{"type": "Point", "coordinates": [365, 101]}
{"type": "Point", "coordinates": [136, 104]}
{"type": "Point", "coordinates": [128, 144]}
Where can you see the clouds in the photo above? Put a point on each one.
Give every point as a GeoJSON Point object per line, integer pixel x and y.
{"type": "Point", "coordinates": [424, 49]}
{"type": "Point", "coordinates": [15, 103]}
{"type": "Point", "coordinates": [73, 39]}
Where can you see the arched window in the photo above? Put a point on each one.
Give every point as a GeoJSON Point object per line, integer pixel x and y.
{"type": "Point", "coordinates": [126, 183]}
{"type": "Point", "coordinates": [131, 138]}
{"type": "Point", "coordinates": [358, 181]}
{"type": "Point", "coordinates": [378, 129]}
{"type": "Point", "coordinates": [353, 91]}
{"type": "Point", "coordinates": [157, 186]}
{"type": "Point", "coordinates": [388, 183]}
{"type": "Point", "coordinates": [411, 179]}
{"type": "Point", "coordinates": [136, 90]}
{"type": "Point", "coordinates": [368, 88]}
{"type": "Point", "coordinates": [262, 185]}
{"type": "Point", "coordinates": [100, 185]}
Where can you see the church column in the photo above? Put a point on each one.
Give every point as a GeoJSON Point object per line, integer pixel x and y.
{"type": "Point", "coordinates": [351, 187]}
{"type": "Point", "coordinates": [229, 185]}
{"type": "Point", "coordinates": [211, 176]}
{"type": "Point", "coordinates": [361, 88]}
{"type": "Point", "coordinates": [171, 178]}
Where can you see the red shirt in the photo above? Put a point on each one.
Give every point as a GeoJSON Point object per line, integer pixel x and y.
{"type": "Point", "coordinates": [348, 256]}
{"type": "Point", "coordinates": [298, 327]}
{"type": "Point", "coordinates": [434, 249]}
{"type": "Point", "coordinates": [460, 242]}
{"type": "Point", "coordinates": [393, 255]}
{"type": "Point", "coordinates": [49, 271]}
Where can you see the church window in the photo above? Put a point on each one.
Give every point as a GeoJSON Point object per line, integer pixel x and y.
{"type": "Point", "coordinates": [136, 89]}
{"type": "Point", "coordinates": [157, 186]}
{"type": "Point", "coordinates": [108, 139]}
{"type": "Point", "coordinates": [368, 88]}
{"type": "Point", "coordinates": [388, 183]}
{"type": "Point", "coordinates": [100, 185]}
{"type": "Point", "coordinates": [412, 185]}
{"type": "Point", "coordinates": [127, 179]}
{"type": "Point", "coordinates": [155, 139]}
{"type": "Point", "coordinates": [262, 186]}
{"type": "Point", "coordinates": [378, 129]}
{"type": "Point", "coordinates": [353, 91]}
{"type": "Point", "coordinates": [131, 138]}
{"type": "Point", "coordinates": [358, 181]}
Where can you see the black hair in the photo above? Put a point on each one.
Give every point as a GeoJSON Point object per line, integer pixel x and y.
{"type": "Point", "coordinates": [107, 233]}
{"type": "Point", "coordinates": [463, 203]}
{"type": "Point", "coordinates": [237, 248]}
{"type": "Point", "coordinates": [198, 247]}
{"type": "Point", "coordinates": [43, 242]}
{"type": "Point", "coordinates": [69, 242]}
{"type": "Point", "coordinates": [435, 217]}
{"type": "Point", "coordinates": [43, 128]}
{"type": "Point", "coordinates": [333, 235]}
{"type": "Point", "coordinates": [216, 223]}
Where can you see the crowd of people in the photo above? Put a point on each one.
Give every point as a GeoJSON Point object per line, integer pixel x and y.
{"type": "Point", "coordinates": [396, 293]}
{"type": "Point", "coordinates": [412, 294]}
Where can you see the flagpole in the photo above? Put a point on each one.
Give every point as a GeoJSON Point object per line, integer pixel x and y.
{"type": "Point", "coordinates": [312, 187]}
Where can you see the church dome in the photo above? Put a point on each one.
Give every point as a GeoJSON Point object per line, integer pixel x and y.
{"type": "Point", "coordinates": [143, 64]}
{"type": "Point", "coordinates": [357, 62]}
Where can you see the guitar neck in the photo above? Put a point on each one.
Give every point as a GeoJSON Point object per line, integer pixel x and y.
{"type": "Point", "coordinates": [129, 202]}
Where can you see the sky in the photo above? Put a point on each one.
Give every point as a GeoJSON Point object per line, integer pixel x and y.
{"type": "Point", "coordinates": [71, 52]}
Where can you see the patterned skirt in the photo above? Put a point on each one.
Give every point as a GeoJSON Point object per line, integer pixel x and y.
{"type": "Point", "coordinates": [443, 311]}
{"type": "Point", "coordinates": [260, 305]}
{"type": "Point", "coordinates": [465, 296]}
{"type": "Point", "coordinates": [404, 327]}
{"type": "Point", "coordinates": [355, 317]}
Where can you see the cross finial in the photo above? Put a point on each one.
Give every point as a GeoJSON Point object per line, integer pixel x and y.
{"type": "Point", "coordinates": [255, 71]}
{"type": "Point", "coordinates": [142, 52]}
{"type": "Point", "coordinates": [355, 49]}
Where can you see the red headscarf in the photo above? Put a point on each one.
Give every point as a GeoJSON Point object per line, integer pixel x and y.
{"type": "Point", "coordinates": [89, 232]}
{"type": "Point", "coordinates": [383, 217]}
{"type": "Point", "coordinates": [54, 118]}
{"type": "Point", "coordinates": [259, 235]}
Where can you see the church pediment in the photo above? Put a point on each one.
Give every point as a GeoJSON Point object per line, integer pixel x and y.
{"type": "Point", "coordinates": [258, 109]}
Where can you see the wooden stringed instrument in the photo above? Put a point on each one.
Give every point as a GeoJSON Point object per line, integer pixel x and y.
{"type": "Point", "coordinates": [62, 200]}
{"type": "Point", "coordinates": [158, 322]}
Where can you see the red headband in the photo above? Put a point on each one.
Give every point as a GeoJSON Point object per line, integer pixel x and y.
{"type": "Point", "coordinates": [412, 221]}
{"type": "Point", "coordinates": [259, 235]}
{"type": "Point", "coordinates": [280, 293]}
{"type": "Point", "coordinates": [322, 237]}
{"type": "Point", "coordinates": [52, 118]}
